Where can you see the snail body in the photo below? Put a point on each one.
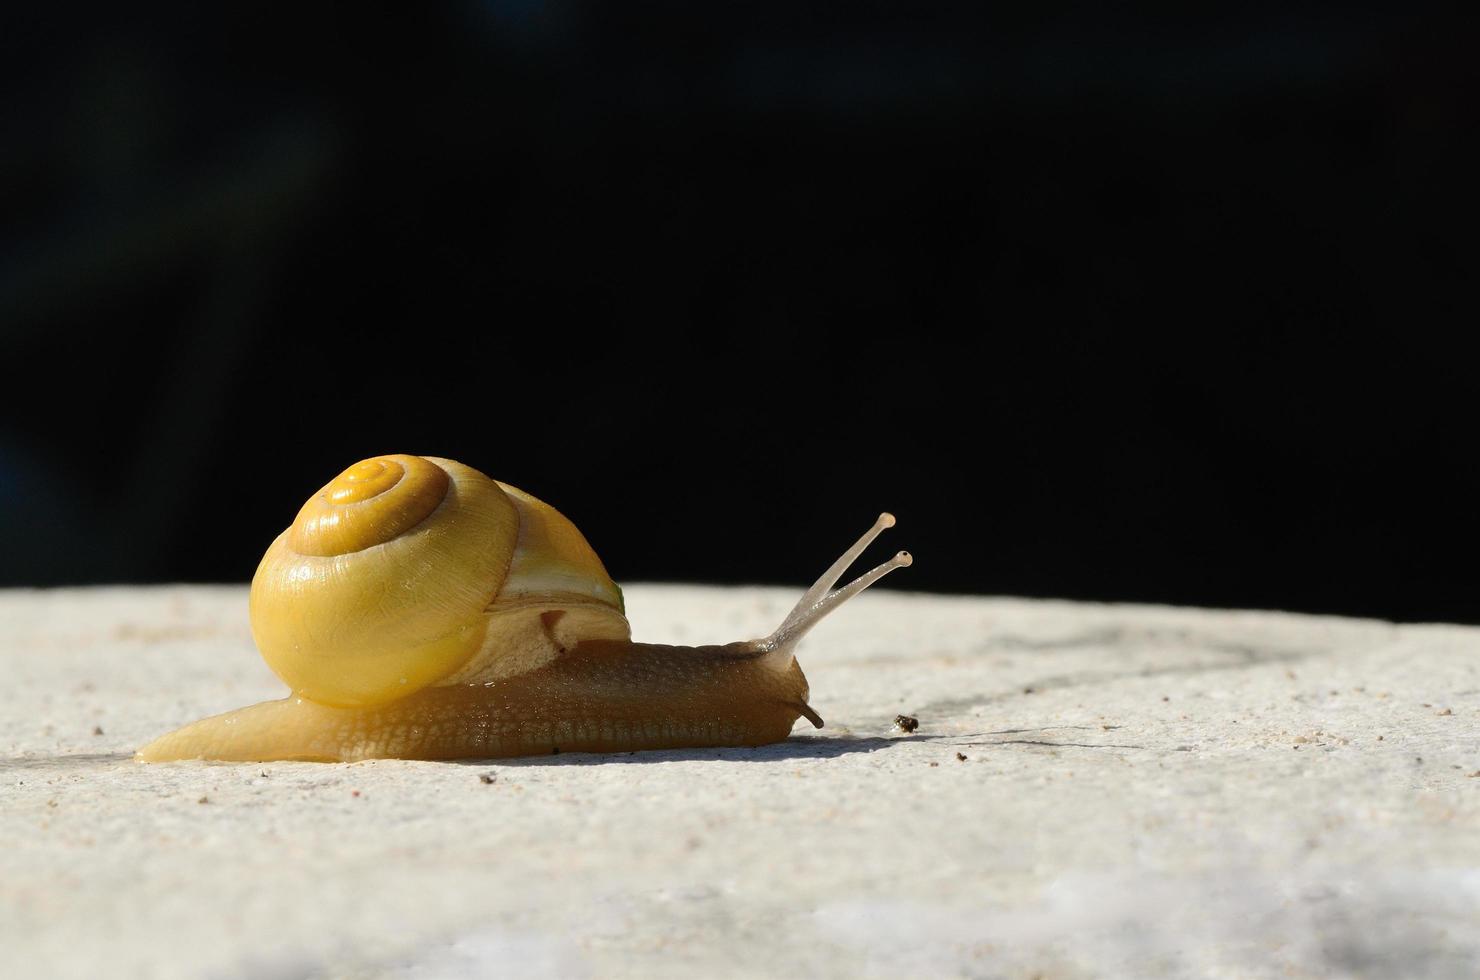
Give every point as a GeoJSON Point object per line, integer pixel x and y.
{"type": "Point", "coordinates": [419, 610]}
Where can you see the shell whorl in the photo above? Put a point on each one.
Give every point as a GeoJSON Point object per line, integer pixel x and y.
{"type": "Point", "coordinates": [381, 585]}
{"type": "Point", "coordinates": [370, 503]}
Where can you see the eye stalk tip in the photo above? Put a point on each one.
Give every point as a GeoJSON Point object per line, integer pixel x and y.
{"type": "Point", "coordinates": [904, 559]}
{"type": "Point", "coordinates": [886, 519]}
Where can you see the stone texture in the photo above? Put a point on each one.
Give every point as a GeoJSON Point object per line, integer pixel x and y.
{"type": "Point", "coordinates": [1092, 791]}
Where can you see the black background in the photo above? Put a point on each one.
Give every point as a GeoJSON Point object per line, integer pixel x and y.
{"type": "Point", "coordinates": [1123, 303]}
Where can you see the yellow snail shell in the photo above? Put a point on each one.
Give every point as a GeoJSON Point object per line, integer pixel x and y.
{"type": "Point", "coordinates": [418, 609]}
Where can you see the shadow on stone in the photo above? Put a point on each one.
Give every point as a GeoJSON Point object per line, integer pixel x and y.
{"type": "Point", "coordinates": [1232, 657]}
{"type": "Point", "coordinates": [82, 760]}
{"type": "Point", "coordinates": [965, 738]}
{"type": "Point", "coordinates": [803, 747]}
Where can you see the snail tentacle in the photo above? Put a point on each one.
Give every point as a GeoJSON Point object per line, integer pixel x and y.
{"type": "Point", "coordinates": [835, 571]}
{"type": "Point", "coordinates": [818, 601]}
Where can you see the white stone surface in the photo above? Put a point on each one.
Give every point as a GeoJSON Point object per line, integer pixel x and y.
{"type": "Point", "coordinates": [1145, 792]}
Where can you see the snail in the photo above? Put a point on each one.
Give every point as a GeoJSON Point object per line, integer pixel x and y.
{"type": "Point", "coordinates": [418, 609]}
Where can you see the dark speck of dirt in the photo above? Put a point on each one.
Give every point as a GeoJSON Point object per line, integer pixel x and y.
{"type": "Point", "coordinates": [97, 729]}
{"type": "Point", "coordinates": [906, 724]}
{"type": "Point", "coordinates": [934, 765]}
{"type": "Point", "coordinates": [354, 792]}
{"type": "Point", "coordinates": [960, 757]}
{"type": "Point", "coordinates": [1027, 690]}
{"type": "Point", "coordinates": [204, 799]}
{"type": "Point", "coordinates": [486, 779]}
